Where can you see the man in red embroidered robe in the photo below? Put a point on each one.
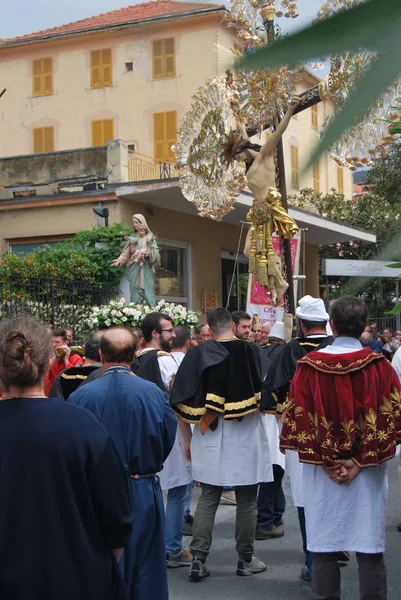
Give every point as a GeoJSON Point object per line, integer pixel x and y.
{"type": "Point", "coordinates": [344, 418]}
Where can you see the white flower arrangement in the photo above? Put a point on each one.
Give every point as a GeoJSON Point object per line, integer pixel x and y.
{"type": "Point", "coordinates": [117, 312]}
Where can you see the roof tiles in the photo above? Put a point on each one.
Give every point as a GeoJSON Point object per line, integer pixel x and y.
{"type": "Point", "coordinates": [136, 12]}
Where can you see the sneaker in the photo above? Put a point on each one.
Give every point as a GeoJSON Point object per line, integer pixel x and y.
{"type": "Point", "coordinates": [245, 569]}
{"type": "Point", "coordinates": [228, 498]}
{"type": "Point", "coordinates": [269, 534]}
{"type": "Point", "coordinates": [281, 522]}
{"type": "Point", "coordinates": [181, 559]}
{"type": "Point", "coordinates": [186, 528]}
{"type": "Point", "coordinates": [398, 526]}
{"type": "Point", "coordinates": [305, 575]}
{"type": "Point", "coordinates": [197, 570]}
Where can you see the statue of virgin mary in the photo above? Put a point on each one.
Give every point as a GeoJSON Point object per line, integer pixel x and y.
{"type": "Point", "coordinates": [141, 257]}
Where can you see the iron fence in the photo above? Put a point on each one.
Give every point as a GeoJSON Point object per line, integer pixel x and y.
{"type": "Point", "coordinates": [56, 302]}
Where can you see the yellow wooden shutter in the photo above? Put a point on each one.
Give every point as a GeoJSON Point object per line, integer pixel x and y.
{"type": "Point", "coordinates": [42, 77]}
{"type": "Point", "coordinates": [97, 129]}
{"type": "Point", "coordinates": [48, 76]}
{"type": "Point", "coordinates": [340, 178]}
{"type": "Point", "coordinates": [157, 58]}
{"type": "Point", "coordinates": [316, 177]}
{"type": "Point", "coordinates": [171, 135]}
{"type": "Point", "coordinates": [95, 68]}
{"type": "Point", "coordinates": [48, 139]}
{"type": "Point", "coordinates": [102, 132]}
{"type": "Point", "coordinates": [163, 58]}
{"type": "Point", "coordinates": [37, 141]}
{"type": "Point", "coordinates": [158, 136]}
{"type": "Point", "coordinates": [315, 117]}
{"type": "Point", "coordinates": [169, 58]}
{"type": "Point", "coordinates": [107, 68]}
{"type": "Point", "coordinates": [36, 77]}
{"type": "Point", "coordinates": [294, 167]}
{"type": "Point", "coordinates": [108, 131]}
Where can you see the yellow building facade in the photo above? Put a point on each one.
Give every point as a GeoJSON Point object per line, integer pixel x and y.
{"type": "Point", "coordinates": [129, 76]}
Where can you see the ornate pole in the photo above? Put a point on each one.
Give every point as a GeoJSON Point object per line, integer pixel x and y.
{"type": "Point", "coordinates": [267, 13]}
{"type": "Point", "coordinates": [307, 99]}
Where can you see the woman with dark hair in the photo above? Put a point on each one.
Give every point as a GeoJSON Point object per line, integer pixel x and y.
{"type": "Point", "coordinates": [65, 511]}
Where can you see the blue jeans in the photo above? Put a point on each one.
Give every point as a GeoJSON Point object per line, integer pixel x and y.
{"type": "Point", "coordinates": [271, 501]}
{"type": "Point", "coordinates": [308, 555]}
{"type": "Point", "coordinates": [187, 508]}
{"type": "Point", "coordinates": [174, 517]}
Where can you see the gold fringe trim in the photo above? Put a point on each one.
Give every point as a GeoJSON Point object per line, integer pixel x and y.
{"type": "Point", "coordinates": [64, 376]}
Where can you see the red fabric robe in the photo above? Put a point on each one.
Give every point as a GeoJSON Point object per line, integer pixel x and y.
{"type": "Point", "coordinates": [343, 406]}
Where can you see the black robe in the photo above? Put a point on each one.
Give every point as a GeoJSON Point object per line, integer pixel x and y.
{"type": "Point", "coordinates": [277, 383]}
{"type": "Point", "coordinates": [69, 380]}
{"type": "Point", "coordinates": [219, 377]}
{"type": "Point", "coordinates": [148, 366]}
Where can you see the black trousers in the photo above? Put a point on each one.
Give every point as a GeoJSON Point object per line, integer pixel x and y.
{"type": "Point", "coordinates": [326, 577]}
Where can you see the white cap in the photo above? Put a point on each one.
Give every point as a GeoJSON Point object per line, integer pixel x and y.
{"type": "Point", "coordinates": [277, 331]}
{"type": "Point", "coordinates": [311, 309]}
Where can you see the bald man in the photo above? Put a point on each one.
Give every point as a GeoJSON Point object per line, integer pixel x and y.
{"type": "Point", "coordinates": [143, 427]}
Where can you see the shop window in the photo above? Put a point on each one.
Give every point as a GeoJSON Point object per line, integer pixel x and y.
{"type": "Point", "coordinates": [101, 68]}
{"type": "Point", "coordinates": [163, 58]}
{"type": "Point", "coordinates": [172, 277]}
{"type": "Point", "coordinates": [42, 77]}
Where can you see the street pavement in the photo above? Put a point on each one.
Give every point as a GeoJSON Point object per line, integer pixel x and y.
{"type": "Point", "coordinates": [284, 559]}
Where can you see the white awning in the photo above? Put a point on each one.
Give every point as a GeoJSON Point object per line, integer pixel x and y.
{"type": "Point", "coordinates": [167, 194]}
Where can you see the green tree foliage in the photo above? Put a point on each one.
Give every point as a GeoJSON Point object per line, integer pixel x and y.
{"type": "Point", "coordinates": [370, 212]}
{"type": "Point", "coordinates": [384, 178]}
{"type": "Point", "coordinates": [85, 258]}
{"type": "Point", "coordinates": [375, 25]}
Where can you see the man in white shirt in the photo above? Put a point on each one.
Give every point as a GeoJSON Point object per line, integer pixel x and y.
{"type": "Point", "coordinates": [218, 389]}
{"type": "Point", "coordinates": [158, 365]}
{"type": "Point", "coordinates": [343, 417]}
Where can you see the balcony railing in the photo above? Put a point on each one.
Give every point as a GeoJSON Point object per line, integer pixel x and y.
{"type": "Point", "coordinates": [146, 168]}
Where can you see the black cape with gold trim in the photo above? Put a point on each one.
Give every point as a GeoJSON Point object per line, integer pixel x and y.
{"type": "Point", "coordinates": [277, 383]}
{"type": "Point", "coordinates": [148, 366]}
{"type": "Point", "coordinates": [69, 380]}
{"type": "Point", "coordinates": [218, 378]}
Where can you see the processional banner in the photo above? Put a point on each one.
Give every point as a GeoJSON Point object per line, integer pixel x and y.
{"type": "Point", "coordinates": [259, 300]}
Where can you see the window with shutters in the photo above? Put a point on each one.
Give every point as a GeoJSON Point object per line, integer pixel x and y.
{"type": "Point", "coordinates": [102, 132]}
{"type": "Point", "coordinates": [101, 68]}
{"type": "Point", "coordinates": [43, 139]}
{"type": "Point", "coordinates": [315, 117]}
{"type": "Point", "coordinates": [340, 179]}
{"type": "Point", "coordinates": [316, 177]}
{"type": "Point", "coordinates": [163, 58]}
{"type": "Point", "coordinates": [294, 167]}
{"type": "Point", "coordinates": [42, 77]}
{"type": "Point", "coordinates": [164, 135]}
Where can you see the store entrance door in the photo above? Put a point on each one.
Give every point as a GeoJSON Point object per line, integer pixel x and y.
{"type": "Point", "coordinates": [234, 281]}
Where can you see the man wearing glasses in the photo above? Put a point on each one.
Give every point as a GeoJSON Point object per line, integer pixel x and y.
{"type": "Point", "coordinates": [156, 364]}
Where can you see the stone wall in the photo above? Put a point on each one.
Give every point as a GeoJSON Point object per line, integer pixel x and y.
{"type": "Point", "coordinates": [52, 173]}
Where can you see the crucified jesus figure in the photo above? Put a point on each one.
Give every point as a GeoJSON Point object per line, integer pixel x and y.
{"type": "Point", "coordinates": [267, 214]}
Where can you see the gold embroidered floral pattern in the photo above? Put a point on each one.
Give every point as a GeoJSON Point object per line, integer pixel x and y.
{"type": "Point", "coordinates": [352, 416]}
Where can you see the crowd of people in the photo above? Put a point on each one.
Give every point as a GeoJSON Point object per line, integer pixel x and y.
{"type": "Point", "coordinates": [92, 436]}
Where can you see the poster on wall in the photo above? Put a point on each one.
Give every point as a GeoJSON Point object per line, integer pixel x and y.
{"type": "Point", "coordinates": [259, 300]}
